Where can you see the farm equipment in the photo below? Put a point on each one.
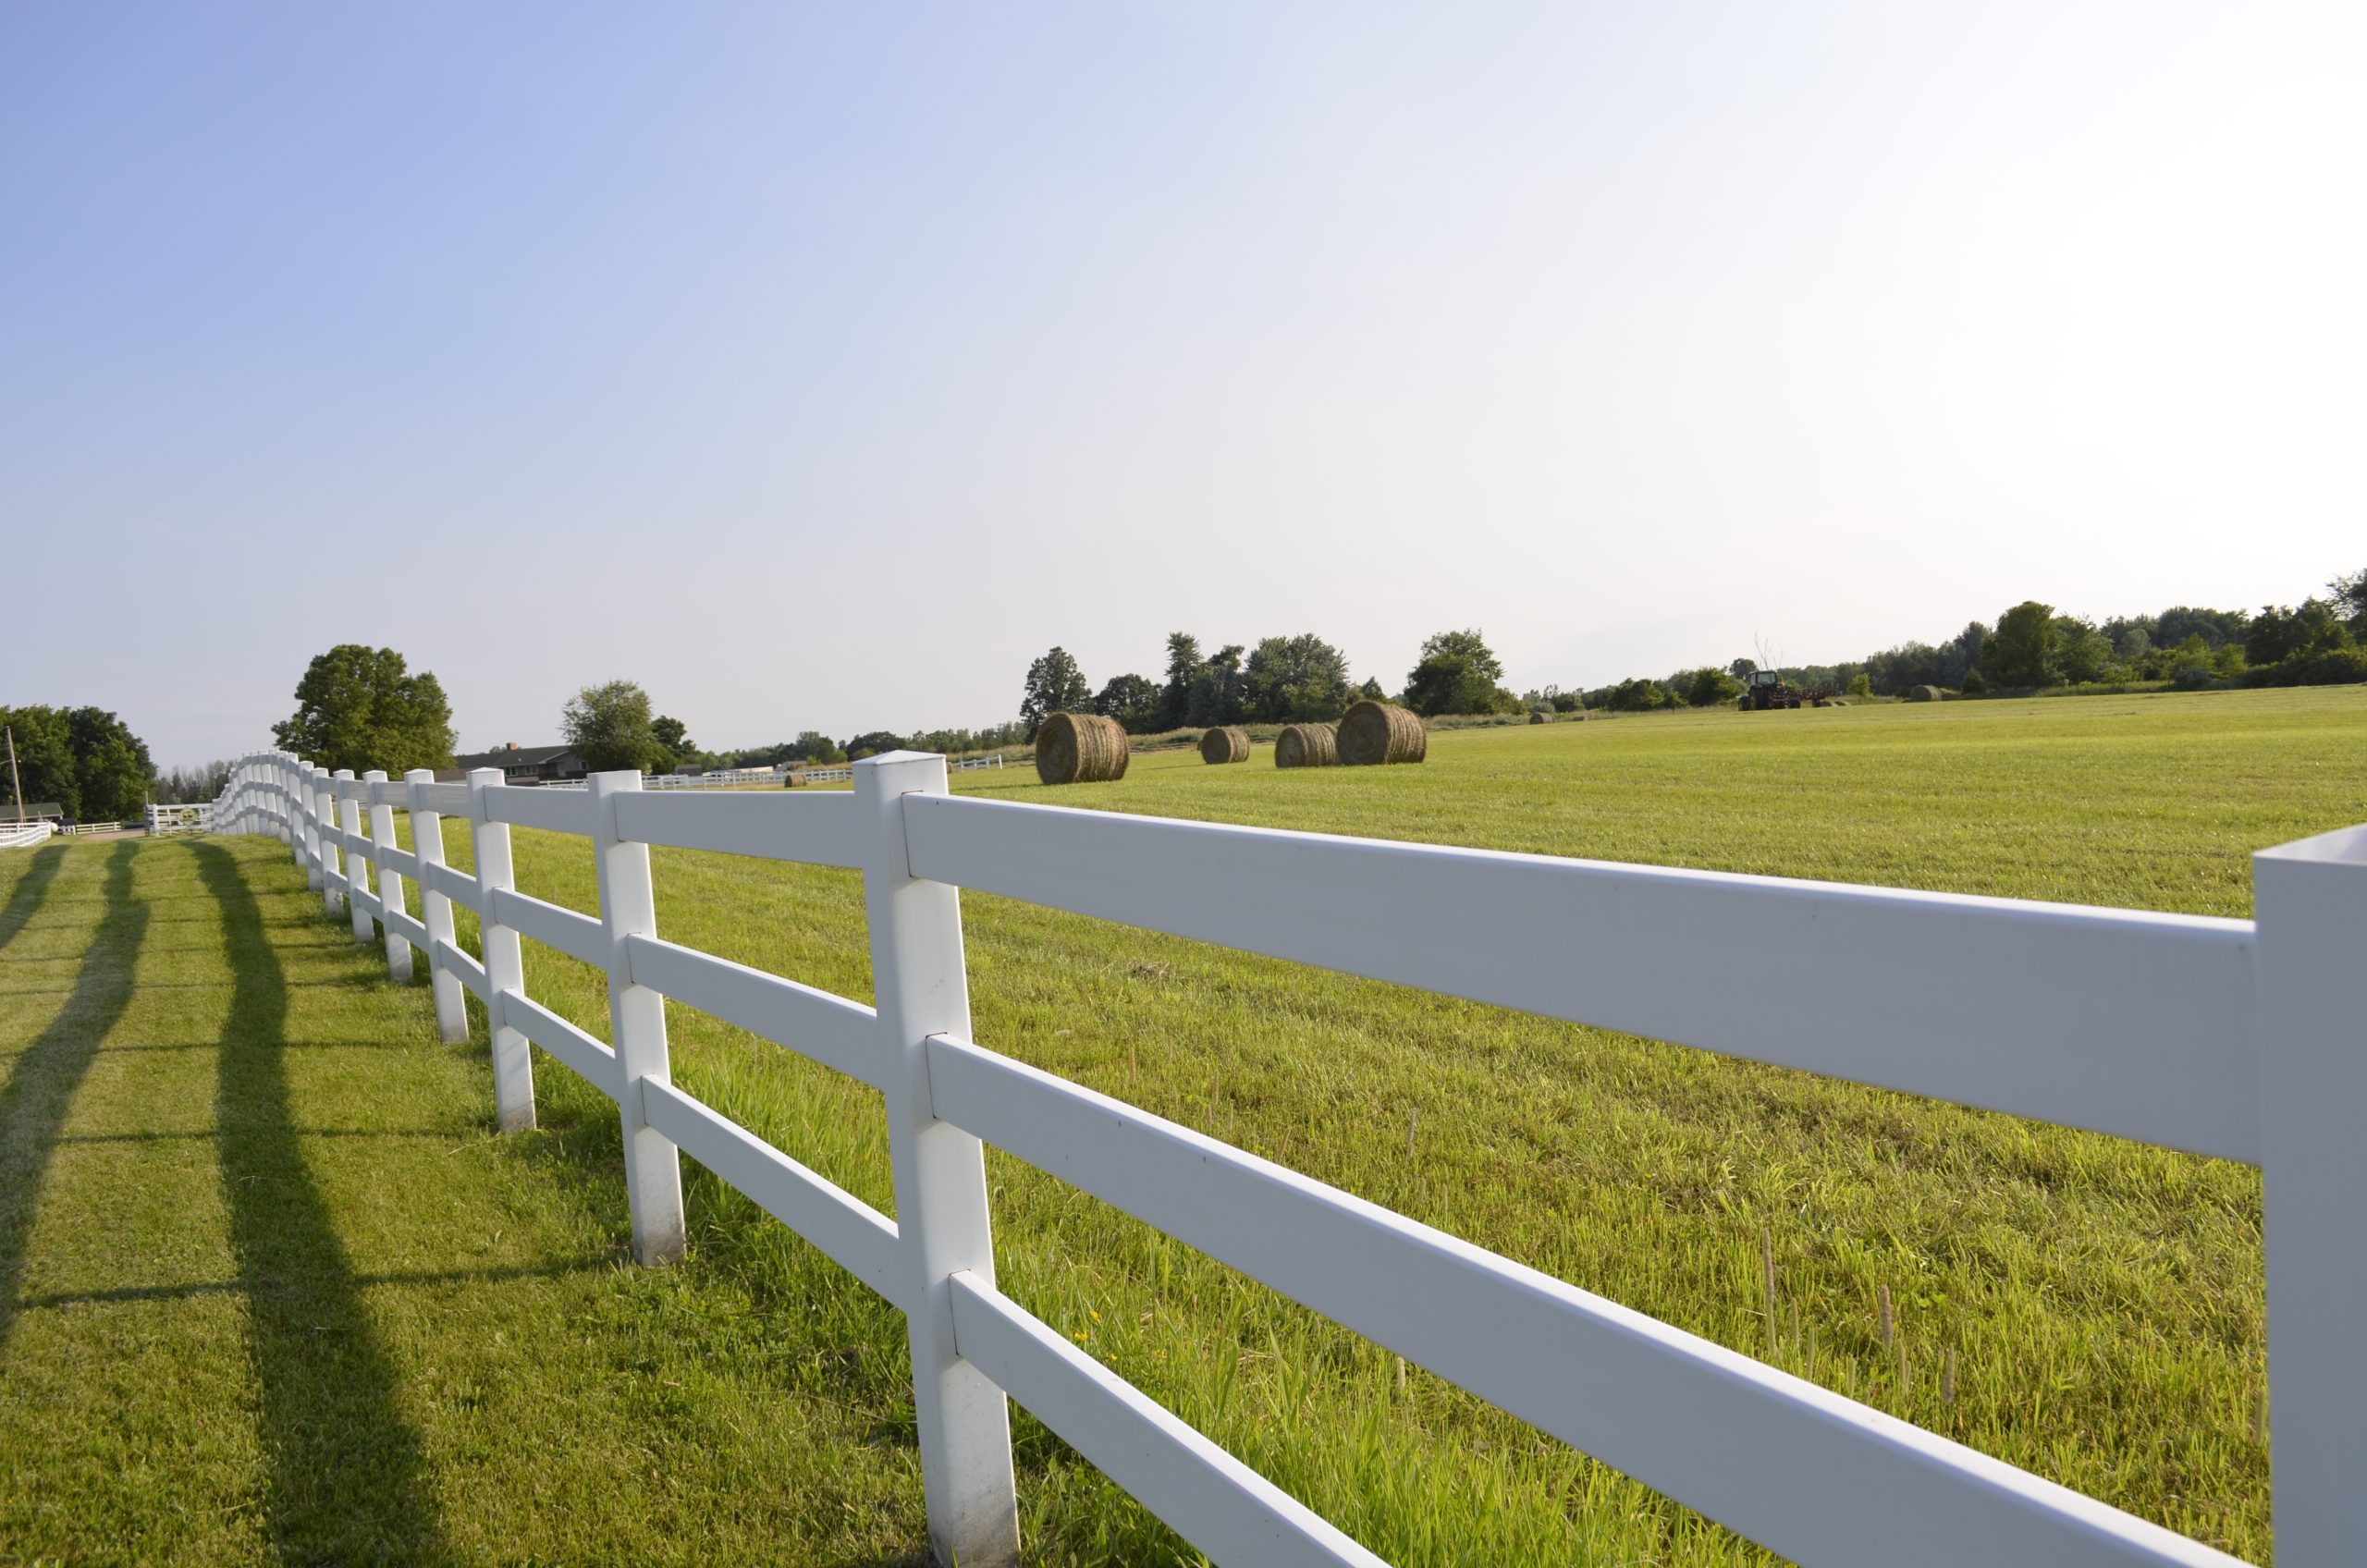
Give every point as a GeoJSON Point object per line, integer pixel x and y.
{"type": "Point", "coordinates": [1767, 689]}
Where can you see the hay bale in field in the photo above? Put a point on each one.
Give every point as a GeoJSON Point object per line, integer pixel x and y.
{"type": "Point", "coordinates": [1308, 745]}
{"type": "Point", "coordinates": [1227, 742]}
{"type": "Point", "coordinates": [1080, 748]}
{"type": "Point", "coordinates": [1538, 715]}
{"type": "Point", "coordinates": [1376, 732]}
{"type": "Point", "coordinates": [1924, 693]}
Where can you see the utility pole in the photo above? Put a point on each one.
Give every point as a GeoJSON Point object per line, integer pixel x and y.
{"type": "Point", "coordinates": [16, 791]}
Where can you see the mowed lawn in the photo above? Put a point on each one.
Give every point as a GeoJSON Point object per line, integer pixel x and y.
{"type": "Point", "coordinates": [268, 1286]}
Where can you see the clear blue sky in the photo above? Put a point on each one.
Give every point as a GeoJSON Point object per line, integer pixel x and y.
{"type": "Point", "coordinates": [819, 366]}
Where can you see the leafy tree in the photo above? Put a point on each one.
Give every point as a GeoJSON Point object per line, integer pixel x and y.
{"type": "Point", "coordinates": [1371, 687]}
{"type": "Point", "coordinates": [679, 747]}
{"type": "Point", "coordinates": [1862, 685]}
{"type": "Point", "coordinates": [610, 726]}
{"type": "Point", "coordinates": [873, 744]}
{"type": "Point", "coordinates": [1706, 687]}
{"type": "Point", "coordinates": [1291, 679]}
{"type": "Point", "coordinates": [2081, 652]}
{"type": "Point", "coordinates": [2349, 592]}
{"type": "Point", "coordinates": [2217, 627]}
{"type": "Point", "coordinates": [1219, 693]}
{"type": "Point", "coordinates": [2278, 633]}
{"type": "Point", "coordinates": [2022, 650]}
{"type": "Point", "coordinates": [1457, 673]}
{"type": "Point", "coordinates": [1743, 670]}
{"type": "Point", "coordinates": [83, 759]}
{"type": "Point", "coordinates": [1054, 685]}
{"type": "Point", "coordinates": [1635, 696]}
{"type": "Point", "coordinates": [1959, 656]}
{"type": "Point", "coordinates": [1182, 666]}
{"type": "Point", "coordinates": [1134, 701]}
{"type": "Point", "coordinates": [361, 708]}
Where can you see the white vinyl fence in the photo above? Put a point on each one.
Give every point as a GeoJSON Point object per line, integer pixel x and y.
{"type": "Point", "coordinates": [165, 820]}
{"type": "Point", "coordinates": [25, 834]}
{"type": "Point", "coordinates": [2225, 1037]}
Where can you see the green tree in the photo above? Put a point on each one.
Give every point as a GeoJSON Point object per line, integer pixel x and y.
{"type": "Point", "coordinates": [2083, 653]}
{"type": "Point", "coordinates": [2279, 633]}
{"type": "Point", "coordinates": [670, 734]}
{"type": "Point", "coordinates": [2021, 651]}
{"type": "Point", "coordinates": [873, 744]}
{"type": "Point", "coordinates": [610, 728]}
{"type": "Point", "coordinates": [1372, 689]}
{"type": "Point", "coordinates": [1457, 673]}
{"type": "Point", "coordinates": [2349, 592]}
{"type": "Point", "coordinates": [361, 708]}
{"type": "Point", "coordinates": [1220, 692]}
{"type": "Point", "coordinates": [1862, 685]}
{"type": "Point", "coordinates": [111, 765]}
{"type": "Point", "coordinates": [86, 760]}
{"type": "Point", "coordinates": [1706, 687]}
{"type": "Point", "coordinates": [1054, 685]}
{"type": "Point", "coordinates": [1135, 701]}
{"type": "Point", "coordinates": [1289, 679]}
{"type": "Point", "coordinates": [1183, 667]}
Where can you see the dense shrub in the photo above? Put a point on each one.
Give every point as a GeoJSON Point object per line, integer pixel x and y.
{"type": "Point", "coordinates": [2332, 666]}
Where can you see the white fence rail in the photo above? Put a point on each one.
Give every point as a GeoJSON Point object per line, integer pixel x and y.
{"type": "Point", "coordinates": [163, 821]}
{"type": "Point", "coordinates": [2222, 1036]}
{"type": "Point", "coordinates": [24, 835]}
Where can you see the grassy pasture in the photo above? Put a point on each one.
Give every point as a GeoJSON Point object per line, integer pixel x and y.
{"type": "Point", "coordinates": [2080, 1306]}
{"type": "Point", "coordinates": [2086, 1308]}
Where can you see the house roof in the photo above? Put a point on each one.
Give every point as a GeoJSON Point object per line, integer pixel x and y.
{"type": "Point", "coordinates": [519, 756]}
{"type": "Point", "coordinates": [33, 810]}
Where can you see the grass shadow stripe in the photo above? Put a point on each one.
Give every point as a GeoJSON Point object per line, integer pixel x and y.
{"type": "Point", "coordinates": [45, 1075]}
{"type": "Point", "coordinates": [348, 1475]}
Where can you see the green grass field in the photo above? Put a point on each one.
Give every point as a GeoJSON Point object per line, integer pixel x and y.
{"type": "Point", "coordinates": [268, 1286]}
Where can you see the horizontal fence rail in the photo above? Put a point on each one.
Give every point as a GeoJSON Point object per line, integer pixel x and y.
{"type": "Point", "coordinates": [2225, 1037]}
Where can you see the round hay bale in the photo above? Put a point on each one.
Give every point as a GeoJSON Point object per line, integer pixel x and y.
{"type": "Point", "coordinates": [1308, 745]}
{"type": "Point", "coordinates": [1378, 732]}
{"type": "Point", "coordinates": [1227, 742]}
{"type": "Point", "coordinates": [1080, 748]}
{"type": "Point", "coordinates": [1924, 693]}
{"type": "Point", "coordinates": [1538, 715]}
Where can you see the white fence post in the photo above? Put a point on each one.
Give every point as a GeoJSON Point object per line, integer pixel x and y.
{"type": "Point", "coordinates": [2310, 900]}
{"type": "Point", "coordinates": [308, 801]}
{"type": "Point", "coordinates": [291, 807]}
{"type": "Point", "coordinates": [505, 969]}
{"type": "Point", "coordinates": [921, 988]}
{"type": "Point", "coordinates": [390, 884]}
{"type": "Point", "coordinates": [436, 910]}
{"type": "Point", "coordinates": [356, 867]}
{"type": "Point", "coordinates": [332, 855]}
{"type": "Point", "coordinates": [636, 1026]}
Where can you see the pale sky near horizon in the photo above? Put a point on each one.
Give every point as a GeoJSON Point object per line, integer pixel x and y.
{"type": "Point", "coordinates": [818, 367]}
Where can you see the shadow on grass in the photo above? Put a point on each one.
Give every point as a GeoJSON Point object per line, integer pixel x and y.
{"type": "Point", "coordinates": [28, 891]}
{"type": "Point", "coordinates": [41, 1086]}
{"type": "Point", "coordinates": [348, 1478]}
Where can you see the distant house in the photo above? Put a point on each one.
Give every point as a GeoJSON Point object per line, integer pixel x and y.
{"type": "Point", "coordinates": [519, 765]}
{"type": "Point", "coordinates": [34, 811]}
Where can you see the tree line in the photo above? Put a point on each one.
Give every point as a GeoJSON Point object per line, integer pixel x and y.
{"type": "Point", "coordinates": [2034, 647]}
{"type": "Point", "coordinates": [363, 708]}
{"type": "Point", "coordinates": [1280, 681]}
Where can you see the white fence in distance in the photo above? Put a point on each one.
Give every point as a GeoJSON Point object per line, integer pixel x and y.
{"type": "Point", "coordinates": [24, 834]}
{"type": "Point", "coordinates": [167, 820]}
{"type": "Point", "coordinates": [2226, 1037]}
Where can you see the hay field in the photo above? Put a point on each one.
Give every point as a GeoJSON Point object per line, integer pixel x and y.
{"type": "Point", "coordinates": [2083, 1307]}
